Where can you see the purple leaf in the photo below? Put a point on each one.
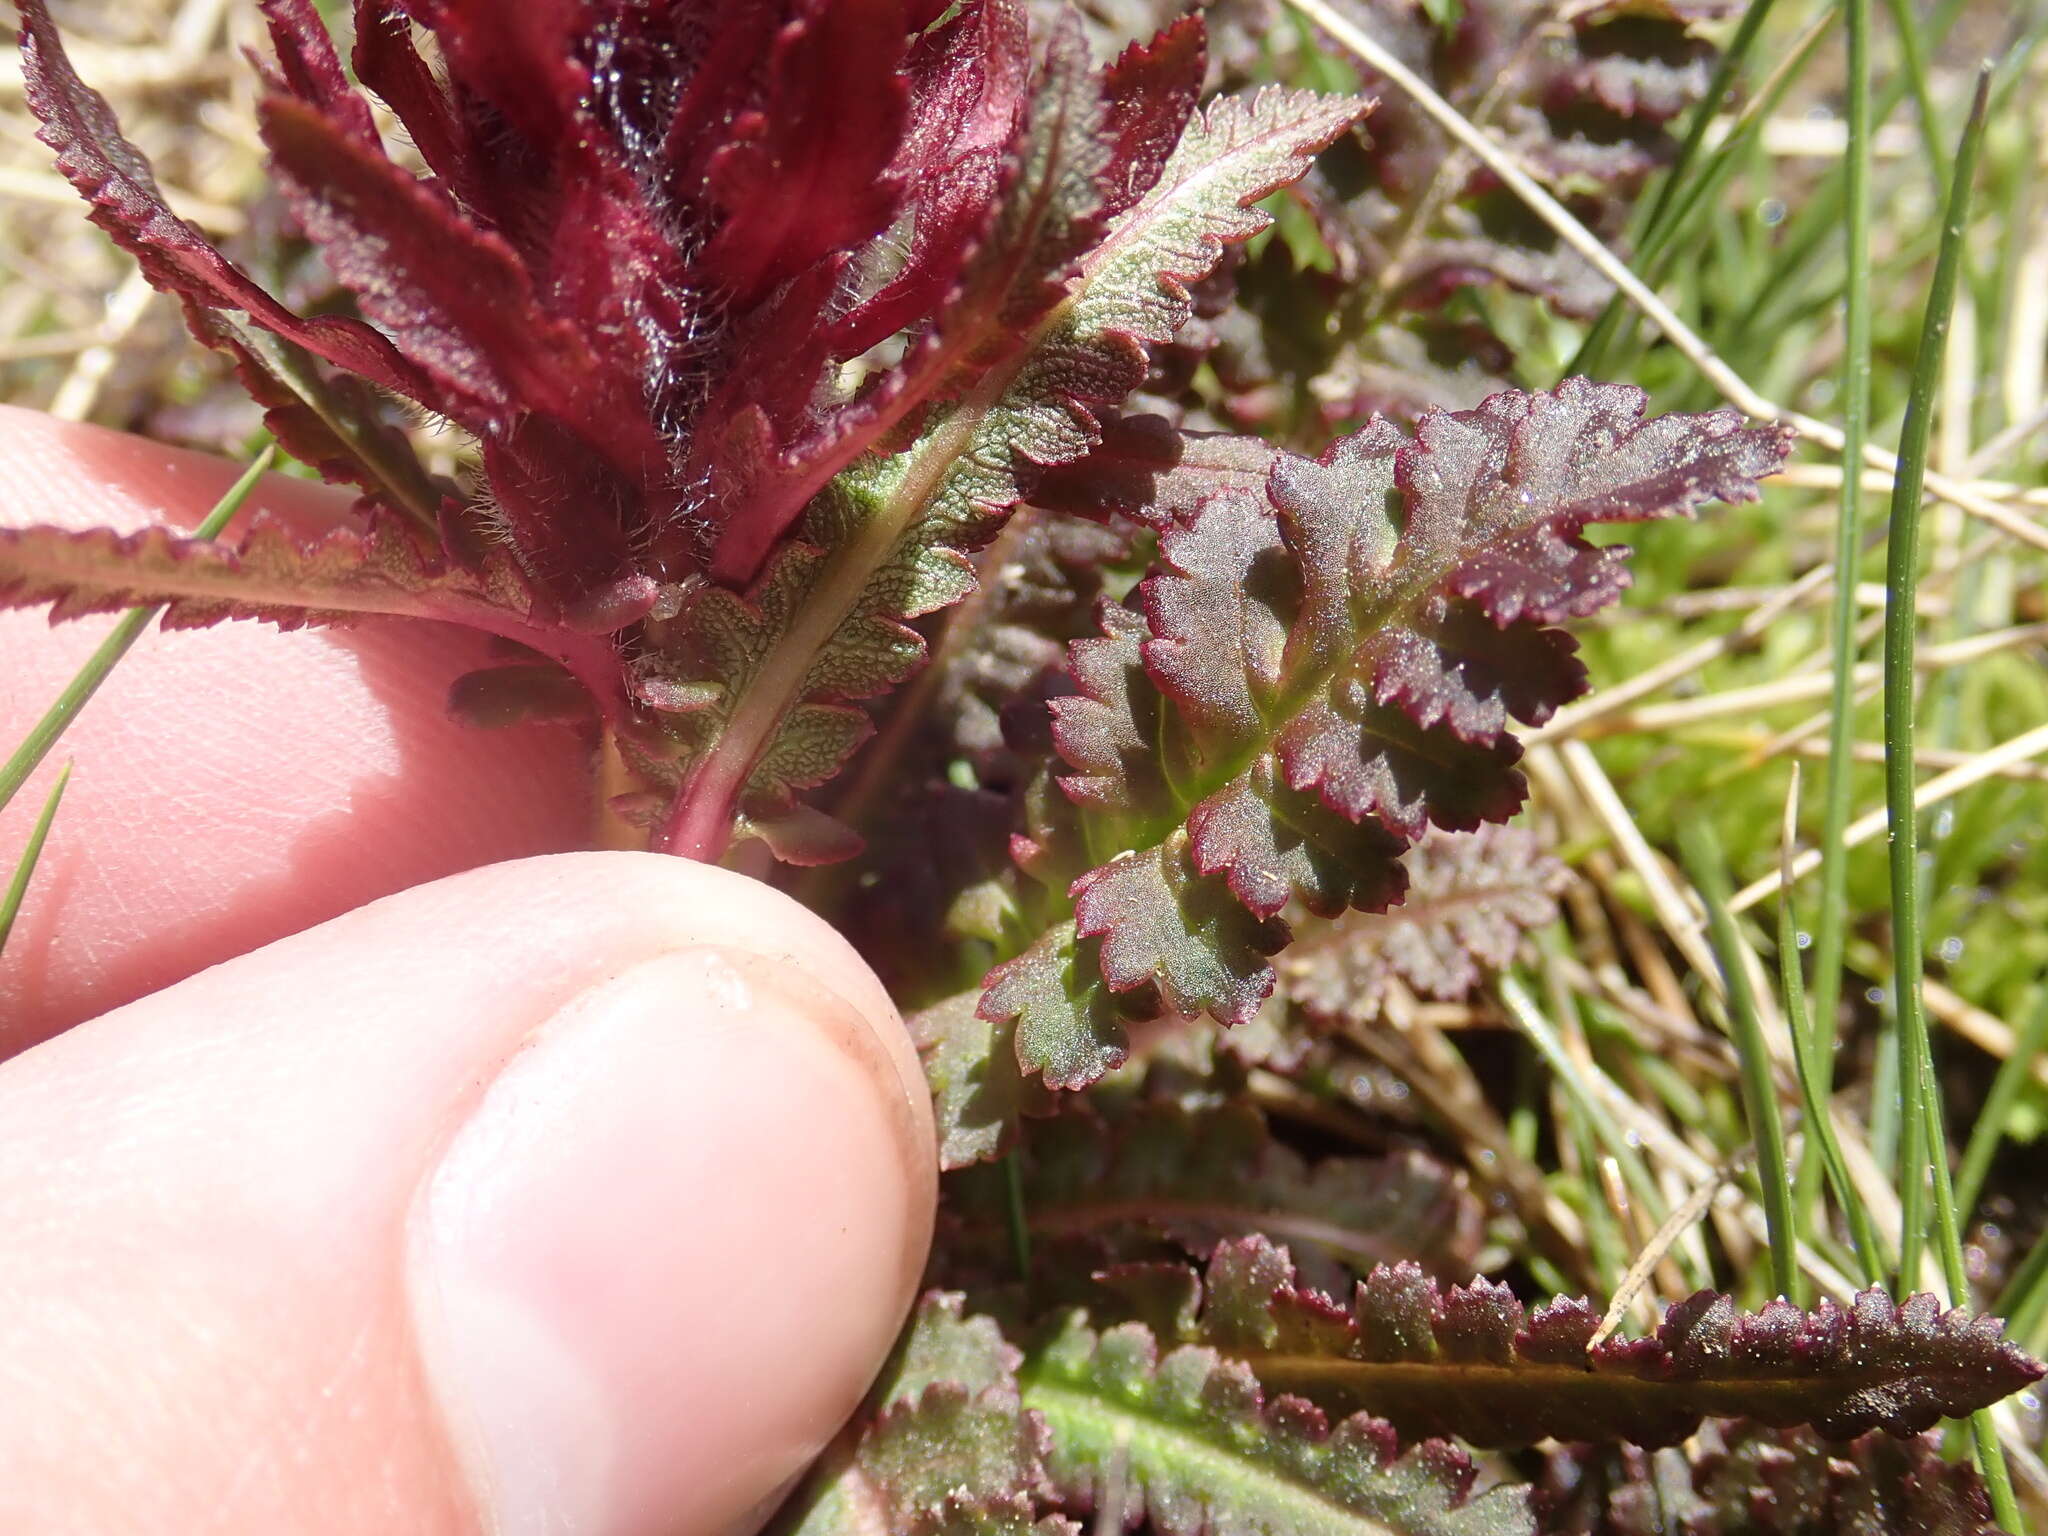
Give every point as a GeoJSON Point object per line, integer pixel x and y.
{"type": "Point", "coordinates": [802, 173]}
{"type": "Point", "coordinates": [1149, 92]}
{"type": "Point", "coordinates": [1471, 1361]}
{"type": "Point", "coordinates": [1157, 1181]}
{"type": "Point", "coordinates": [1471, 897]}
{"type": "Point", "coordinates": [1307, 683]}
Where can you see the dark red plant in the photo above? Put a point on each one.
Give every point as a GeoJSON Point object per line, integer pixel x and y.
{"type": "Point", "coordinates": [795, 339]}
{"type": "Point", "coordinates": [750, 307]}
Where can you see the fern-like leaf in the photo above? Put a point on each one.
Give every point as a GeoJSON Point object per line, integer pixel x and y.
{"type": "Point", "coordinates": [1471, 1361]}
{"type": "Point", "coordinates": [271, 574]}
{"type": "Point", "coordinates": [1471, 897]}
{"type": "Point", "coordinates": [1307, 682]}
{"type": "Point", "coordinates": [944, 1444]}
{"type": "Point", "coordinates": [338, 577]}
{"type": "Point", "coordinates": [1188, 1441]}
{"type": "Point", "coordinates": [1161, 1181]}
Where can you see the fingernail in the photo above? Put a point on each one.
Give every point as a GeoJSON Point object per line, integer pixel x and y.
{"type": "Point", "coordinates": [661, 1259]}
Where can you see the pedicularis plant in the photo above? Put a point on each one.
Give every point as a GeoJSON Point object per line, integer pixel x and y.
{"type": "Point", "coordinates": [799, 342]}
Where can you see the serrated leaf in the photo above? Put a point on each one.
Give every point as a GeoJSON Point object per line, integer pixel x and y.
{"type": "Point", "coordinates": [1160, 1180]}
{"type": "Point", "coordinates": [271, 574]}
{"type": "Point", "coordinates": [1061, 1020]}
{"type": "Point", "coordinates": [1471, 1361]}
{"type": "Point", "coordinates": [1471, 897]}
{"type": "Point", "coordinates": [978, 1093]}
{"type": "Point", "coordinates": [1161, 925]}
{"type": "Point", "coordinates": [1144, 466]}
{"type": "Point", "coordinates": [1190, 1442]}
{"type": "Point", "coordinates": [1308, 682]}
{"type": "Point", "coordinates": [115, 179]}
{"type": "Point", "coordinates": [944, 1444]}
{"type": "Point", "coordinates": [944, 1344]}
{"type": "Point", "coordinates": [1743, 1479]}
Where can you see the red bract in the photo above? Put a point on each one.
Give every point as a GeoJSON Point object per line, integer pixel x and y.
{"type": "Point", "coordinates": [631, 267]}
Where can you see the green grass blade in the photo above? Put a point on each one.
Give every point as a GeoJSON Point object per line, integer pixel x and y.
{"type": "Point", "coordinates": [1816, 1085]}
{"type": "Point", "coordinates": [25, 868]}
{"type": "Point", "coordinates": [45, 733]}
{"type": "Point", "coordinates": [1924, 1147]}
{"type": "Point", "coordinates": [1760, 325]}
{"type": "Point", "coordinates": [1901, 634]}
{"type": "Point", "coordinates": [1913, 59]}
{"type": "Point", "coordinates": [1759, 1094]}
{"type": "Point", "coordinates": [2024, 1302]}
{"type": "Point", "coordinates": [2006, 1088]}
{"type": "Point", "coordinates": [1831, 921]}
{"type": "Point", "coordinates": [1521, 1006]}
{"type": "Point", "coordinates": [1592, 352]}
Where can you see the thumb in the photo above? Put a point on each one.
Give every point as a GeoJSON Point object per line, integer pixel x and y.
{"type": "Point", "coordinates": [583, 1193]}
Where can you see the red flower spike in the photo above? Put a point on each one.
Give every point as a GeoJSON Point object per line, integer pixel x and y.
{"type": "Point", "coordinates": [805, 174]}
{"type": "Point", "coordinates": [650, 239]}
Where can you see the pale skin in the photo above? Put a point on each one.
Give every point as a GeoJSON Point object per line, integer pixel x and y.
{"type": "Point", "coordinates": [383, 1166]}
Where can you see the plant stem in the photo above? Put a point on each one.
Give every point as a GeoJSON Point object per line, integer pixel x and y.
{"type": "Point", "coordinates": [1922, 1129]}
{"type": "Point", "coordinates": [1759, 1093]}
{"type": "Point", "coordinates": [1832, 920]}
{"type": "Point", "coordinates": [25, 868]}
{"type": "Point", "coordinates": [1815, 1078]}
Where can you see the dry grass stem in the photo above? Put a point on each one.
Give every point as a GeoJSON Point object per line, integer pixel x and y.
{"type": "Point", "coordinates": [1975, 770]}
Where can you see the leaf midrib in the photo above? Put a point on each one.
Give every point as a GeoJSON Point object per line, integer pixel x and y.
{"type": "Point", "coordinates": [1078, 1416]}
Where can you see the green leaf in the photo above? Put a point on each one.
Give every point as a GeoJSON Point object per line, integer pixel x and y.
{"type": "Point", "coordinates": [1191, 1442]}
{"type": "Point", "coordinates": [978, 1091]}
{"type": "Point", "coordinates": [1060, 1019]}
{"type": "Point", "coordinates": [943, 1446]}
